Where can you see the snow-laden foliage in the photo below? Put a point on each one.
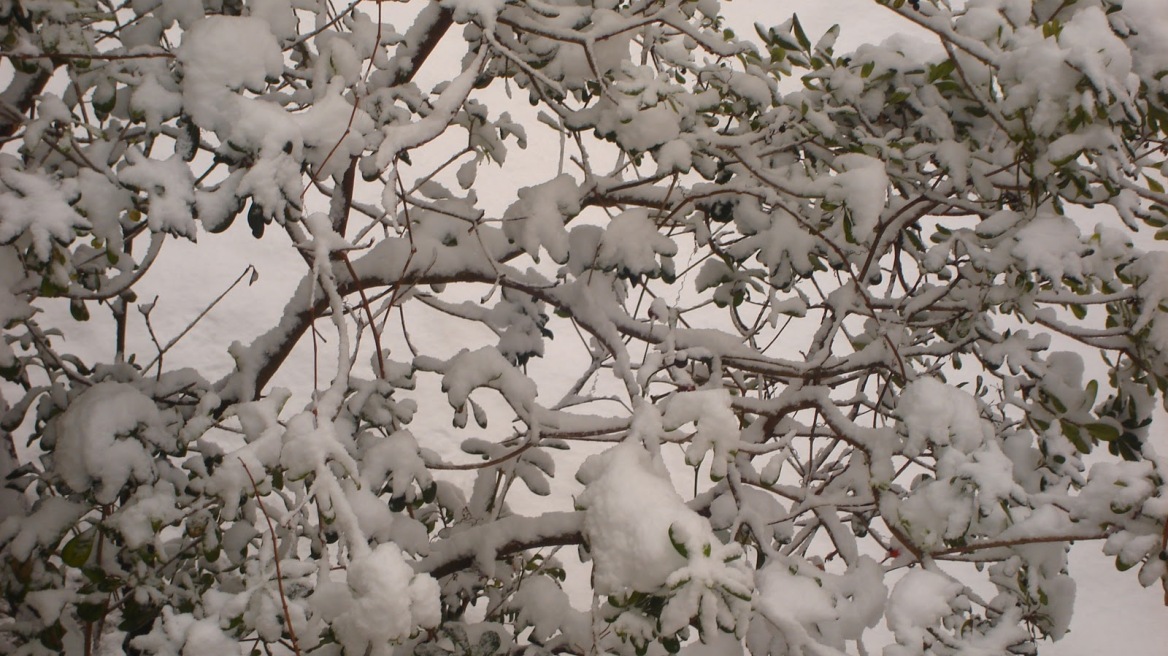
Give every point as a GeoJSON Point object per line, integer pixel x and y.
{"type": "Point", "coordinates": [833, 321]}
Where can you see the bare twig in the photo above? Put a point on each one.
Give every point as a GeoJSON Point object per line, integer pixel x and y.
{"type": "Point", "coordinates": [275, 559]}
{"type": "Point", "coordinates": [191, 325]}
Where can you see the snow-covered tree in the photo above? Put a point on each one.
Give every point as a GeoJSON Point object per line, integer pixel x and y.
{"type": "Point", "coordinates": [796, 342]}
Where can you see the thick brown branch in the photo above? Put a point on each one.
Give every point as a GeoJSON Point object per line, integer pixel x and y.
{"type": "Point", "coordinates": [425, 44]}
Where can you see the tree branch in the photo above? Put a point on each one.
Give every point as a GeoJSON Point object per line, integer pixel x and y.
{"type": "Point", "coordinates": [485, 543]}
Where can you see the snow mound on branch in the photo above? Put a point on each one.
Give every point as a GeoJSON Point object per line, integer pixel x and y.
{"type": "Point", "coordinates": [862, 185]}
{"type": "Point", "coordinates": [630, 507]}
{"type": "Point", "coordinates": [786, 594]}
{"type": "Point", "coordinates": [1102, 56]}
{"type": "Point", "coordinates": [633, 243]}
{"type": "Point", "coordinates": [1149, 42]}
{"type": "Point", "coordinates": [221, 53]}
{"type": "Point", "coordinates": [103, 438]}
{"type": "Point", "coordinates": [469, 370]}
{"type": "Point", "coordinates": [170, 188]}
{"type": "Point", "coordinates": [232, 51]}
{"type": "Point", "coordinates": [542, 605]}
{"type": "Point", "coordinates": [812, 606]}
{"type": "Point", "coordinates": [186, 632]}
{"type": "Point", "coordinates": [42, 208]}
{"type": "Point", "coordinates": [50, 519]}
{"type": "Point", "coordinates": [715, 424]}
{"type": "Point", "coordinates": [919, 601]}
{"type": "Point", "coordinates": [1051, 246]}
{"type": "Point", "coordinates": [1151, 269]}
{"type": "Point", "coordinates": [333, 131]}
{"type": "Point", "coordinates": [537, 218]}
{"type": "Point", "coordinates": [279, 16]}
{"type": "Point", "coordinates": [932, 411]}
{"type": "Point", "coordinates": [13, 307]}
{"type": "Point", "coordinates": [381, 604]}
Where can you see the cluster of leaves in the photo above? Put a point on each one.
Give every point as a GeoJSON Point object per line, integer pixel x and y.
{"type": "Point", "coordinates": [859, 304]}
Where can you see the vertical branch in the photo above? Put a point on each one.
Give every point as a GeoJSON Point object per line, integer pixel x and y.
{"type": "Point", "coordinates": [275, 559]}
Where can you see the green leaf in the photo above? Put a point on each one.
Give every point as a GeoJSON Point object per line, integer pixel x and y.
{"type": "Point", "coordinates": [867, 69]}
{"type": "Point", "coordinates": [78, 310]}
{"type": "Point", "coordinates": [1103, 432]}
{"type": "Point", "coordinates": [738, 595]}
{"type": "Point", "coordinates": [763, 33]}
{"type": "Point", "coordinates": [187, 144]}
{"type": "Point", "coordinates": [678, 546]}
{"type": "Point", "coordinates": [1058, 404]}
{"type": "Point", "coordinates": [76, 552]}
{"type": "Point", "coordinates": [1072, 432]}
{"type": "Point", "coordinates": [942, 70]}
{"type": "Point", "coordinates": [849, 233]}
{"type": "Point", "coordinates": [1157, 221]}
{"type": "Point", "coordinates": [95, 575]}
{"type": "Point", "coordinates": [257, 219]}
{"type": "Point", "coordinates": [90, 612]}
{"type": "Point", "coordinates": [800, 35]}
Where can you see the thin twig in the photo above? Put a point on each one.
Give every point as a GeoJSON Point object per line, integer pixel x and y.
{"type": "Point", "coordinates": [1040, 539]}
{"type": "Point", "coordinates": [368, 314]}
{"type": "Point", "coordinates": [276, 559]}
{"type": "Point", "coordinates": [199, 318]}
{"type": "Point", "coordinates": [483, 465]}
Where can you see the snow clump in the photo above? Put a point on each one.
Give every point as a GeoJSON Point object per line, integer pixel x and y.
{"type": "Point", "coordinates": [105, 437]}
{"type": "Point", "coordinates": [630, 510]}
{"type": "Point", "coordinates": [381, 602]}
